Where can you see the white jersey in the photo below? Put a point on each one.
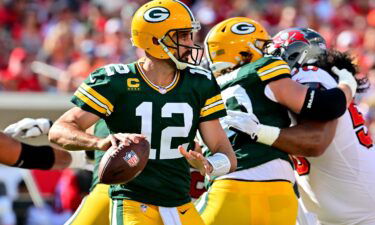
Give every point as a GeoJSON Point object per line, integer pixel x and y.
{"type": "Point", "coordinates": [339, 186]}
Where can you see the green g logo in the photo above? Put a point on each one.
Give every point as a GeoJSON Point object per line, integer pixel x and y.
{"type": "Point", "coordinates": [243, 28]}
{"type": "Point", "coordinates": [156, 14]}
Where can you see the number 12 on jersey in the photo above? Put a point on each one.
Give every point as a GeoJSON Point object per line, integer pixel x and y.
{"type": "Point", "coordinates": [144, 110]}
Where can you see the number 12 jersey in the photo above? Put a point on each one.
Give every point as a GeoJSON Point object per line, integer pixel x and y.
{"type": "Point", "coordinates": [168, 116]}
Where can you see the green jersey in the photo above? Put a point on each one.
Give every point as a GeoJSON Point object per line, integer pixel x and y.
{"type": "Point", "coordinates": [244, 90]}
{"type": "Point", "coordinates": [130, 103]}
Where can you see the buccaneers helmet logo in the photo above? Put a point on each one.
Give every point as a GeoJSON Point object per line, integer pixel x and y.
{"type": "Point", "coordinates": [287, 38]}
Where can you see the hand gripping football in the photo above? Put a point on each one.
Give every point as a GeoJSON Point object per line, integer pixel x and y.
{"type": "Point", "coordinates": [123, 163]}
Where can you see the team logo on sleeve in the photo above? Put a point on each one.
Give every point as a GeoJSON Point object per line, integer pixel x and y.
{"type": "Point", "coordinates": [156, 14]}
{"type": "Point", "coordinates": [243, 28]}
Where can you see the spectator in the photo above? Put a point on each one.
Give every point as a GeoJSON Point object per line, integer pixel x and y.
{"type": "Point", "coordinates": [7, 216]}
{"type": "Point", "coordinates": [18, 76]}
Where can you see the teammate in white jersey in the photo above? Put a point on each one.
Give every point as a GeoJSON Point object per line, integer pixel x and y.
{"type": "Point", "coordinates": [339, 185]}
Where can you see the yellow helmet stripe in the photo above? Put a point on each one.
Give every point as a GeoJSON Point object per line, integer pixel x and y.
{"type": "Point", "coordinates": [187, 9]}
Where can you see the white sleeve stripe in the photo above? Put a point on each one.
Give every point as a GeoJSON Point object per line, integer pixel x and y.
{"type": "Point", "coordinates": [212, 105]}
{"type": "Point", "coordinates": [274, 69]}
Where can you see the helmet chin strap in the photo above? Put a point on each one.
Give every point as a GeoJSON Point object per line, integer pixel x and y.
{"type": "Point", "coordinates": [179, 65]}
{"type": "Point", "coordinates": [300, 60]}
{"type": "Point", "coordinates": [251, 45]}
{"type": "Point", "coordinates": [219, 66]}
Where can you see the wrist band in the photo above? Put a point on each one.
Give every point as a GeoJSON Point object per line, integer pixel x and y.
{"type": "Point", "coordinates": [220, 164]}
{"type": "Point", "coordinates": [267, 135]}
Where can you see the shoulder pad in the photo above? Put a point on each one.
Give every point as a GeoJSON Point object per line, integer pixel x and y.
{"type": "Point", "coordinates": [105, 72]}
{"type": "Point", "coordinates": [273, 57]}
{"type": "Point", "coordinates": [112, 69]}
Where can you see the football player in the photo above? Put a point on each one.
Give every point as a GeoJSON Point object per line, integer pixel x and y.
{"type": "Point", "coordinates": [339, 185]}
{"type": "Point", "coordinates": [261, 190]}
{"type": "Point", "coordinates": [160, 97]}
{"type": "Point", "coordinates": [94, 208]}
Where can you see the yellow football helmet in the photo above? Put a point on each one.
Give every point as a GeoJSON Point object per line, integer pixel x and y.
{"type": "Point", "coordinates": [154, 25]}
{"type": "Point", "coordinates": [235, 41]}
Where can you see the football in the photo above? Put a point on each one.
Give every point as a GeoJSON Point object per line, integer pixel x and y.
{"type": "Point", "coordinates": [121, 164]}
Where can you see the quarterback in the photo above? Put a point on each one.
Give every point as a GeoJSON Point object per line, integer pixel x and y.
{"type": "Point", "coordinates": [162, 98]}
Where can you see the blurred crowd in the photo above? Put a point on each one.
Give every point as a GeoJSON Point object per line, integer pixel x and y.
{"type": "Point", "coordinates": [52, 45]}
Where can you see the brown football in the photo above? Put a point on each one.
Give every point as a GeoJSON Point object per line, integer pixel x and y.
{"type": "Point", "coordinates": [122, 164]}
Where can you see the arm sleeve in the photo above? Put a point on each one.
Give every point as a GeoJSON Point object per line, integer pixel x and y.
{"type": "Point", "coordinates": [96, 94]}
{"type": "Point", "coordinates": [323, 104]}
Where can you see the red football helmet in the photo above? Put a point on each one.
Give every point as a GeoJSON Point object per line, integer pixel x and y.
{"type": "Point", "coordinates": [298, 46]}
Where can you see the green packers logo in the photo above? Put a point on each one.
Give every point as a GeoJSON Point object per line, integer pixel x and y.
{"type": "Point", "coordinates": [156, 14]}
{"type": "Point", "coordinates": [243, 28]}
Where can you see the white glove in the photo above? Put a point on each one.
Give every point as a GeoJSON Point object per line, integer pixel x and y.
{"type": "Point", "coordinates": [244, 122]}
{"type": "Point", "coordinates": [249, 124]}
{"type": "Point", "coordinates": [29, 127]}
{"type": "Point", "coordinates": [347, 78]}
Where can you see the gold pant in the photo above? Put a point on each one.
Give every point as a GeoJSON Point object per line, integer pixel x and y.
{"type": "Point", "coordinates": [94, 208]}
{"type": "Point", "coordinates": [248, 202]}
{"type": "Point", "coordinates": [130, 212]}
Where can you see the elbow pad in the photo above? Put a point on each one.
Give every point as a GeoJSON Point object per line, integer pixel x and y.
{"type": "Point", "coordinates": [323, 104]}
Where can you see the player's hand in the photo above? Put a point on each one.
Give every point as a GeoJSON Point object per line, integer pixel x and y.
{"type": "Point", "coordinates": [28, 127]}
{"type": "Point", "coordinates": [196, 160]}
{"type": "Point", "coordinates": [347, 78]}
{"type": "Point", "coordinates": [244, 122]}
{"type": "Point", "coordinates": [115, 139]}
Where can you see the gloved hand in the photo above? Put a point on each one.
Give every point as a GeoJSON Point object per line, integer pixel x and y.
{"type": "Point", "coordinates": [347, 78]}
{"type": "Point", "coordinates": [241, 121]}
{"type": "Point", "coordinates": [249, 124]}
{"type": "Point", "coordinates": [29, 127]}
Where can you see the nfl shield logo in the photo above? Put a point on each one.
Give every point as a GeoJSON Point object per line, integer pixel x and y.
{"type": "Point", "coordinates": [131, 158]}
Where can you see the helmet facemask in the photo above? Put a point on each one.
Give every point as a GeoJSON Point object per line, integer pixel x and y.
{"type": "Point", "coordinates": [298, 47]}
{"type": "Point", "coordinates": [172, 46]}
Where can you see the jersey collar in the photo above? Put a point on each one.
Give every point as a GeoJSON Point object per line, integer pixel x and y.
{"type": "Point", "coordinates": [160, 89]}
